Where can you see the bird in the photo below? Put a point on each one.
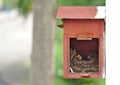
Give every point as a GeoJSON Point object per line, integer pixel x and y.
{"type": "Point", "coordinates": [73, 53]}
{"type": "Point", "coordinates": [79, 57]}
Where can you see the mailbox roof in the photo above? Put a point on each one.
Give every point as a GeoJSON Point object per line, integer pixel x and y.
{"type": "Point", "coordinates": [81, 12]}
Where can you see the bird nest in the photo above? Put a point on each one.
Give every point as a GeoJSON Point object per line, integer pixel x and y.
{"type": "Point", "coordinates": [79, 63]}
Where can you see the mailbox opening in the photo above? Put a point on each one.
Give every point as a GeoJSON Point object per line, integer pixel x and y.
{"type": "Point", "coordinates": [84, 55]}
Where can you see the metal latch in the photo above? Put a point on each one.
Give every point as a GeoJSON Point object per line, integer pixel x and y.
{"type": "Point", "coordinates": [85, 75]}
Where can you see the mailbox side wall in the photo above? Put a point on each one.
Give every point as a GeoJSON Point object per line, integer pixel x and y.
{"type": "Point", "coordinates": [73, 28]}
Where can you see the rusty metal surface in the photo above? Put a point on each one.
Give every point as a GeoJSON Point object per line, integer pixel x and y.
{"type": "Point", "coordinates": [77, 12]}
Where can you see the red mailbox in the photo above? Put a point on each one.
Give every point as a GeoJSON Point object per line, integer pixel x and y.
{"type": "Point", "coordinates": [83, 42]}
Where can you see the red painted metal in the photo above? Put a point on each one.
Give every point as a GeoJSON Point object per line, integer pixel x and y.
{"type": "Point", "coordinates": [72, 28]}
{"type": "Point", "coordinates": [76, 27]}
{"type": "Point", "coordinates": [74, 12]}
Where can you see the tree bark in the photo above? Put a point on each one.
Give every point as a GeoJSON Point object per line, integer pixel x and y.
{"type": "Point", "coordinates": [42, 68]}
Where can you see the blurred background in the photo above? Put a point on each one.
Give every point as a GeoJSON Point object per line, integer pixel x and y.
{"type": "Point", "coordinates": [16, 24]}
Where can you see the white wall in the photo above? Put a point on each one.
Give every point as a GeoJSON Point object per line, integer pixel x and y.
{"type": "Point", "coordinates": [113, 42]}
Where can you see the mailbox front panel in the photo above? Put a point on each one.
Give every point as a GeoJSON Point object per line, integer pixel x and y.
{"type": "Point", "coordinates": [83, 48]}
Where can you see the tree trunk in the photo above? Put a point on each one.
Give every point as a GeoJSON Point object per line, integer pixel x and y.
{"type": "Point", "coordinates": [42, 69]}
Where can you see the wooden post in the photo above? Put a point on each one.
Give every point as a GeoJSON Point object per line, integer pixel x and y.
{"type": "Point", "coordinates": [42, 69]}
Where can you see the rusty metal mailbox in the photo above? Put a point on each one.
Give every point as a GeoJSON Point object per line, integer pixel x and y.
{"type": "Point", "coordinates": [83, 41]}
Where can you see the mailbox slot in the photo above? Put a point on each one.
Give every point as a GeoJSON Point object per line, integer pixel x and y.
{"type": "Point", "coordinates": [84, 55]}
